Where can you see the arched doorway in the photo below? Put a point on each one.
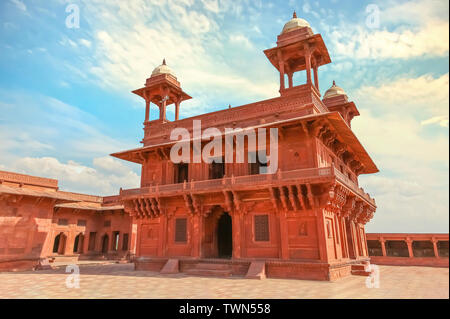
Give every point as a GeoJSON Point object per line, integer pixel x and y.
{"type": "Point", "coordinates": [224, 236]}
{"type": "Point", "coordinates": [59, 244]}
{"type": "Point", "coordinates": [78, 244]}
{"type": "Point", "coordinates": [56, 244]}
{"type": "Point", "coordinates": [105, 241]}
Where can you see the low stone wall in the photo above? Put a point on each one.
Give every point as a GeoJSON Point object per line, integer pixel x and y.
{"type": "Point", "coordinates": [406, 261]}
{"type": "Point", "coordinates": [274, 268]}
{"type": "Point", "coordinates": [18, 264]}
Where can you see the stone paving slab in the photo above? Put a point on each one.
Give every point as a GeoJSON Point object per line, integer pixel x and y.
{"type": "Point", "coordinates": [122, 281]}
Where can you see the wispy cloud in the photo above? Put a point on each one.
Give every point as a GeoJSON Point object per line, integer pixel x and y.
{"type": "Point", "coordinates": [19, 4]}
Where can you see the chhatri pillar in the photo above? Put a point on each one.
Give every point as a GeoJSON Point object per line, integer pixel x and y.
{"type": "Point", "coordinates": [298, 49]}
{"type": "Point", "coordinates": [162, 89]}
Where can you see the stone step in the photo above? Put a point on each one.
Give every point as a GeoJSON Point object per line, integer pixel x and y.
{"type": "Point", "coordinates": [358, 267]}
{"type": "Point", "coordinates": [257, 270]}
{"type": "Point", "coordinates": [212, 266]}
{"type": "Point", "coordinates": [171, 267]}
{"type": "Point", "coordinates": [361, 273]}
{"type": "Point", "coordinates": [209, 272]}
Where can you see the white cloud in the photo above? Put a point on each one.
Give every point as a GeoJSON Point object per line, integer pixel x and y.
{"type": "Point", "coordinates": [19, 4]}
{"type": "Point", "coordinates": [422, 97]}
{"type": "Point", "coordinates": [408, 29]}
{"type": "Point", "coordinates": [441, 120]}
{"type": "Point", "coordinates": [130, 40]}
{"type": "Point", "coordinates": [104, 177]}
{"type": "Point", "coordinates": [46, 126]}
{"type": "Point", "coordinates": [240, 39]}
{"type": "Point", "coordinates": [411, 189]}
{"type": "Point", "coordinates": [85, 42]}
{"type": "Point", "coordinates": [363, 43]}
{"type": "Point", "coordinates": [211, 5]}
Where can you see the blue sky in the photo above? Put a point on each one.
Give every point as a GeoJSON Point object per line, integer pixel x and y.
{"type": "Point", "coordinates": [65, 100]}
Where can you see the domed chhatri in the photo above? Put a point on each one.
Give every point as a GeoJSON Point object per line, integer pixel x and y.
{"type": "Point", "coordinates": [294, 24]}
{"type": "Point", "coordinates": [163, 69]}
{"type": "Point", "coordinates": [334, 90]}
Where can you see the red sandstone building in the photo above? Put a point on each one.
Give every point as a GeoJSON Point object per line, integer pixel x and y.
{"type": "Point", "coordinates": [39, 224]}
{"type": "Point", "coordinates": [305, 221]}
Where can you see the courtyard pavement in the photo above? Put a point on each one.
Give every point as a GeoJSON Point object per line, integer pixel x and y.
{"type": "Point", "coordinates": [122, 281]}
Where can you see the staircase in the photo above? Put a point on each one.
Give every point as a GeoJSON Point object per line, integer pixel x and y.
{"type": "Point", "coordinates": [360, 270]}
{"type": "Point", "coordinates": [210, 270]}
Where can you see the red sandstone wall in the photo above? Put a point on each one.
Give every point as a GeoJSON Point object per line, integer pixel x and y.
{"type": "Point", "coordinates": [24, 224]}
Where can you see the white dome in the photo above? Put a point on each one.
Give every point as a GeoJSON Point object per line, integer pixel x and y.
{"type": "Point", "coordinates": [163, 69]}
{"type": "Point", "coordinates": [294, 24]}
{"type": "Point", "coordinates": [334, 90]}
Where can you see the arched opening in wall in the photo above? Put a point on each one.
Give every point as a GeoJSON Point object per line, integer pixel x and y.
{"type": "Point", "coordinates": [78, 244]}
{"type": "Point", "coordinates": [374, 248]}
{"type": "Point", "coordinates": [442, 247]}
{"type": "Point", "coordinates": [56, 244]}
{"type": "Point", "coordinates": [224, 236]}
{"type": "Point", "coordinates": [396, 248]}
{"type": "Point", "coordinates": [423, 248]}
{"type": "Point", "coordinates": [59, 244]}
{"type": "Point", "coordinates": [105, 241]}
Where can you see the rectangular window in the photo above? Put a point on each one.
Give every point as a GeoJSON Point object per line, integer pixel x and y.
{"type": "Point", "coordinates": [181, 172]}
{"type": "Point", "coordinates": [91, 245]}
{"type": "Point", "coordinates": [81, 222]}
{"type": "Point", "coordinates": [125, 242]}
{"type": "Point", "coordinates": [217, 169]}
{"type": "Point", "coordinates": [261, 227]}
{"type": "Point", "coordinates": [62, 221]}
{"type": "Point", "coordinates": [115, 242]}
{"type": "Point", "coordinates": [181, 230]}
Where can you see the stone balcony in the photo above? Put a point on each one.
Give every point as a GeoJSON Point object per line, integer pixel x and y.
{"type": "Point", "coordinates": [250, 182]}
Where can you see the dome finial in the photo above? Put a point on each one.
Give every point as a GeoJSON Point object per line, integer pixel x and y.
{"type": "Point", "coordinates": [334, 83]}
{"type": "Point", "coordinates": [164, 61]}
{"type": "Point", "coordinates": [294, 16]}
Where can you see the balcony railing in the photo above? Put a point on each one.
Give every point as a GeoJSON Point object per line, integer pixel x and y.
{"type": "Point", "coordinates": [238, 182]}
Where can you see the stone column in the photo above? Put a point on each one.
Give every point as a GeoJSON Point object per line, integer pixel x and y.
{"type": "Point", "coordinates": [162, 111]}
{"type": "Point", "coordinates": [283, 235]}
{"type": "Point", "coordinates": [162, 235]}
{"type": "Point", "coordinates": [435, 248]}
{"type": "Point", "coordinates": [383, 246]}
{"type": "Point", "coordinates": [410, 250]}
{"type": "Point", "coordinates": [308, 64]}
{"type": "Point", "coordinates": [147, 111]}
{"type": "Point", "coordinates": [316, 77]}
{"type": "Point", "coordinates": [290, 75]}
{"type": "Point", "coordinates": [236, 227]}
{"type": "Point", "coordinates": [177, 110]}
{"type": "Point", "coordinates": [138, 237]}
{"type": "Point", "coordinates": [281, 66]}
{"type": "Point", "coordinates": [196, 235]}
{"type": "Point", "coordinates": [70, 238]}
